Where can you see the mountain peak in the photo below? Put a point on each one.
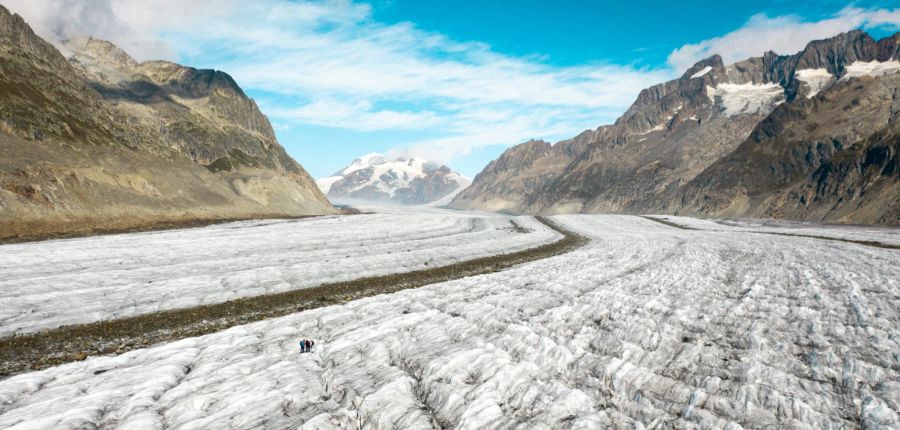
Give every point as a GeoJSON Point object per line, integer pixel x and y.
{"type": "Point", "coordinates": [404, 180]}
{"type": "Point", "coordinates": [370, 159]}
{"type": "Point", "coordinates": [835, 53]}
{"type": "Point", "coordinates": [704, 66]}
{"type": "Point", "coordinates": [534, 143]}
{"type": "Point", "coordinates": [677, 130]}
{"type": "Point", "coordinates": [15, 33]}
{"type": "Point", "coordinates": [101, 50]}
{"type": "Point", "coordinates": [164, 158]}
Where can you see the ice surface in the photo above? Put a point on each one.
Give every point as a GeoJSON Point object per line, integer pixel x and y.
{"type": "Point", "coordinates": [747, 98]}
{"type": "Point", "coordinates": [883, 234]}
{"type": "Point", "coordinates": [646, 326]}
{"type": "Point", "coordinates": [48, 284]}
{"type": "Point", "coordinates": [701, 72]}
{"type": "Point", "coordinates": [871, 68]}
{"type": "Point", "coordinates": [815, 79]}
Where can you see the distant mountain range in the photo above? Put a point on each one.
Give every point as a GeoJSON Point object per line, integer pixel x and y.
{"type": "Point", "coordinates": [94, 141]}
{"type": "Point", "coordinates": [97, 141]}
{"type": "Point", "coordinates": [409, 181]}
{"type": "Point", "coordinates": [810, 136]}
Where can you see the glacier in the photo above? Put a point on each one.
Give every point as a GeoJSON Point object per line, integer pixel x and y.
{"type": "Point", "coordinates": [871, 68]}
{"type": "Point", "coordinates": [815, 79]}
{"type": "Point", "coordinates": [747, 98]}
{"type": "Point", "coordinates": [646, 326]}
{"type": "Point", "coordinates": [61, 282]}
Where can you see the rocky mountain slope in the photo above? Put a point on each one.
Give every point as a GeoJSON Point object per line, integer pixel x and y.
{"type": "Point", "coordinates": [805, 136]}
{"type": "Point", "coordinates": [98, 141]}
{"type": "Point", "coordinates": [410, 181]}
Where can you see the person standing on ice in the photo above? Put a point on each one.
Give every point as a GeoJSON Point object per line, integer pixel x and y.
{"type": "Point", "coordinates": [308, 345]}
{"type": "Point", "coordinates": [302, 346]}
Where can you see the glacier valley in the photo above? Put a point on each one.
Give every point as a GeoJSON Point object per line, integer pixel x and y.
{"type": "Point", "coordinates": [647, 326]}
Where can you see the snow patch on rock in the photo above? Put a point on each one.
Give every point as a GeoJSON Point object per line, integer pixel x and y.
{"type": "Point", "coordinates": [815, 79]}
{"type": "Point", "coordinates": [702, 72]}
{"type": "Point", "coordinates": [870, 68]}
{"type": "Point", "coordinates": [665, 122]}
{"type": "Point", "coordinates": [747, 98]}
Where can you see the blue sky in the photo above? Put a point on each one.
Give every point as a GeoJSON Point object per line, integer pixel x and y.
{"type": "Point", "coordinates": [456, 82]}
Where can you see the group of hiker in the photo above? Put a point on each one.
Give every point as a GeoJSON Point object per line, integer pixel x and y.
{"type": "Point", "coordinates": [306, 345]}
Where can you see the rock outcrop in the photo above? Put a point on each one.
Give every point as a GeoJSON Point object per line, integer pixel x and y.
{"type": "Point", "coordinates": [833, 157]}
{"type": "Point", "coordinates": [100, 142]}
{"type": "Point", "coordinates": [773, 136]}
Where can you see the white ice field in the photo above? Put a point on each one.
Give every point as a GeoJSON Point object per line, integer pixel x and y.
{"type": "Point", "coordinates": [872, 233]}
{"type": "Point", "coordinates": [62, 282]}
{"type": "Point", "coordinates": [647, 326]}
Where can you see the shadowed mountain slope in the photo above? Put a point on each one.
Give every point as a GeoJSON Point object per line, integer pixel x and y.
{"type": "Point", "coordinates": [804, 136]}
{"type": "Point", "coordinates": [97, 141]}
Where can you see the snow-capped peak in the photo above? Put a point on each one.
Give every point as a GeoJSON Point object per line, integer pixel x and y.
{"type": "Point", "coordinates": [403, 180]}
{"type": "Point", "coordinates": [371, 159]}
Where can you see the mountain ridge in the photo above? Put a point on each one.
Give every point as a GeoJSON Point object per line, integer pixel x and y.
{"type": "Point", "coordinates": [99, 142]}
{"type": "Point", "coordinates": [677, 131]}
{"type": "Point", "coordinates": [402, 180]}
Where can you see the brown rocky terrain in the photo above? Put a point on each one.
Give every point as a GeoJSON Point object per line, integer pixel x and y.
{"type": "Point", "coordinates": [99, 142]}
{"type": "Point", "coordinates": [804, 136]}
{"type": "Point", "coordinates": [520, 172]}
{"type": "Point", "coordinates": [834, 157]}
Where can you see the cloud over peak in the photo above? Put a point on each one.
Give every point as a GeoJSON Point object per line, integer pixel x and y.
{"type": "Point", "coordinates": [782, 34]}
{"type": "Point", "coordinates": [331, 64]}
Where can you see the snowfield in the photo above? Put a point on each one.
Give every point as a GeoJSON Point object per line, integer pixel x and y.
{"type": "Point", "coordinates": [748, 98]}
{"type": "Point", "coordinates": [61, 282]}
{"type": "Point", "coordinates": [881, 234]}
{"type": "Point", "coordinates": [871, 68]}
{"type": "Point", "coordinates": [646, 326]}
{"type": "Point", "coordinates": [815, 79]}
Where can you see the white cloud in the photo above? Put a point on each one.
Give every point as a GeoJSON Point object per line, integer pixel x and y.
{"type": "Point", "coordinates": [514, 130]}
{"type": "Point", "coordinates": [356, 116]}
{"type": "Point", "coordinates": [463, 90]}
{"type": "Point", "coordinates": [330, 64]}
{"type": "Point", "coordinates": [782, 34]}
{"type": "Point", "coordinates": [58, 20]}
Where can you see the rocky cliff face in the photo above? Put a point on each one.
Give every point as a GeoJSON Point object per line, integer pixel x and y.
{"type": "Point", "coordinates": [700, 143]}
{"type": "Point", "coordinates": [509, 180]}
{"type": "Point", "coordinates": [833, 156]}
{"type": "Point", "coordinates": [408, 181]}
{"type": "Point", "coordinates": [100, 142]}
